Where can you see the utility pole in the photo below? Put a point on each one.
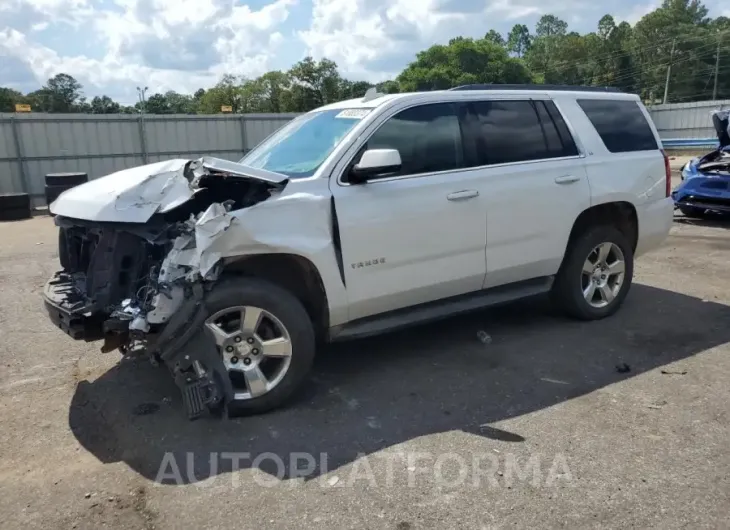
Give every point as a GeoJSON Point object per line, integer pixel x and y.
{"type": "Point", "coordinates": [717, 67]}
{"type": "Point", "coordinates": [140, 94]}
{"type": "Point", "coordinates": [669, 72]}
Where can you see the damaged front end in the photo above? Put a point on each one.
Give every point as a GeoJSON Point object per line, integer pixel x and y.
{"type": "Point", "coordinates": [705, 182]}
{"type": "Point", "coordinates": [137, 251]}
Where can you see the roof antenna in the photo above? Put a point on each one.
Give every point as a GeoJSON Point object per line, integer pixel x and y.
{"type": "Point", "coordinates": [371, 94]}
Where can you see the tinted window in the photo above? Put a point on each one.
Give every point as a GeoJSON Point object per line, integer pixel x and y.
{"type": "Point", "coordinates": [621, 124]}
{"type": "Point", "coordinates": [517, 131]}
{"type": "Point", "coordinates": [428, 138]}
{"type": "Point", "coordinates": [557, 136]}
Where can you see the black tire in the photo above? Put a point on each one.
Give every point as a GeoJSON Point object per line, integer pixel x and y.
{"type": "Point", "coordinates": [52, 192]}
{"type": "Point", "coordinates": [66, 179]}
{"type": "Point", "coordinates": [290, 311]}
{"type": "Point", "coordinates": [12, 201]}
{"type": "Point", "coordinates": [567, 290]}
{"type": "Point", "coordinates": [689, 211]}
{"type": "Point", "coordinates": [15, 214]}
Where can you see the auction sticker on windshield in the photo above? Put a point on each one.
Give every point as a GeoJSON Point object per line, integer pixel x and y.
{"type": "Point", "coordinates": [353, 114]}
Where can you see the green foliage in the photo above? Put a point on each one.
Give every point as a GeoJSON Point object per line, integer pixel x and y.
{"type": "Point", "coordinates": [636, 59]}
{"type": "Point", "coordinates": [9, 98]}
{"type": "Point", "coordinates": [519, 40]}
{"type": "Point", "coordinates": [462, 61]}
{"type": "Point", "coordinates": [104, 105]}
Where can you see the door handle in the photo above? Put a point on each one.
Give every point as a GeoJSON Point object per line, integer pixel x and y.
{"type": "Point", "coordinates": [462, 195]}
{"type": "Point", "coordinates": [567, 179]}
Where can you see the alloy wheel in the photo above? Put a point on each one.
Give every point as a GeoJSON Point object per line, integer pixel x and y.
{"type": "Point", "coordinates": [256, 348]}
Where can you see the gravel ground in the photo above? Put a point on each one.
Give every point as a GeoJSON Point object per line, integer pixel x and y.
{"type": "Point", "coordinates": [547, 422]}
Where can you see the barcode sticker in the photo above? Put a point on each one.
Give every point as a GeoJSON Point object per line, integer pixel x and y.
{"type": "Point", "coordinates": [353, 114]}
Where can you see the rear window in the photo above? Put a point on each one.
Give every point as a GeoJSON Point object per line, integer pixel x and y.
{"type": "Point", "coordinates": [620, 123]}
{"type": "Point", "coordinates": [519, 131]}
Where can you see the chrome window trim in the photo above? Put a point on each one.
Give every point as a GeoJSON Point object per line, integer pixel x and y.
{"type": "Point", "coordinates": [373, 127]}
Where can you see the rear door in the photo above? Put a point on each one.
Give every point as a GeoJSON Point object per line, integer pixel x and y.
{"type": "Point", "coordinates": [537, 185]}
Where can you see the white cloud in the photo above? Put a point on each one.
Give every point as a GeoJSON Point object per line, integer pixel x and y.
{"type": "Point", "coordinates": [112, 46]}
{"type": "Point", "coordinates": [164, 44]}
{"type": "Point", "coordinates": [638, 11]}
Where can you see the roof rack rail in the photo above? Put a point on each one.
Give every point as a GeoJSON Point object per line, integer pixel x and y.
{"type": "Point", "coordinates": [538, 87]}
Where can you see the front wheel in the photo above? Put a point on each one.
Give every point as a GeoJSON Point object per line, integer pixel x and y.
{"type": "Point", "coordinates": [265, 338]}
{"type": "Point", "coordinates": [596, 274]}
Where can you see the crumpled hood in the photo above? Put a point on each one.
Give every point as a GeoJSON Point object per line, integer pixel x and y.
{"type": "Point", "coordinates": [134, 195]}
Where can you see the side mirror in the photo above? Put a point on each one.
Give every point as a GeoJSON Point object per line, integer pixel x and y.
{"type": "Point", "coordinates": [375, 162]}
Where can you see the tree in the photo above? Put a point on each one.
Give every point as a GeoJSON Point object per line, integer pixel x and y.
{"type": "Point", "coordinates": [180, 103]}
{"type": "Point", "coordinates": [357, 89]}
{"type": "Point", "coordinates": [40, 100]}
{"type": "Point", "coordinates": [274, 85]}
{"type": "Point", "coordinates": [678, 32]}
{"type": "Point", "coordinates": [519, 40]}
{"type": "Point", "coordinates": [9, 98]}
{"type": "Point", "coordinates": [550, 33]}
{"type": "Point", "coordinates": [104, 105]}
{"type": "Point", "coordinates": [225, 93]}
{"type": "Point", "coordinates": [550, 26]}
{"type": "Point", "coordinates": [606, 26]}
{"type": "Point", "coordinates": [464, 61]}
{"type": "Point", "coordinates": [157, 104]}
{"type": "Point", "coordinates": [314, 83]}
{"type": "Point", "coordinates": [61, 92]}
{"type": "Point", "coordinates": [495, 37]}
{"type": "Point", "coordinates": [388, 87]}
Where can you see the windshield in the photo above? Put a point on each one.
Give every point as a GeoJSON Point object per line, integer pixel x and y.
{"type": "Point", "coordinates": [302, 145]}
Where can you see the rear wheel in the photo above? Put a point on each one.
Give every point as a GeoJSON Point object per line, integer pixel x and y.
{"type": "Point", "coordinates": [596, 274]}
{"type": "Point", "coordinates": [266, 340]}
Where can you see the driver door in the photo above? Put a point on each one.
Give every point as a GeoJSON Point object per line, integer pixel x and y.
{"type": "Point", "coordinates": [418, 235]}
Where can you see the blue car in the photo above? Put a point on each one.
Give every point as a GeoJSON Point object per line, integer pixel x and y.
{"type": "Point", "coordinates": [705, 183]}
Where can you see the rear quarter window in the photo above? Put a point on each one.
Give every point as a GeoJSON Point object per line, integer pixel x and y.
{"type": "Point", "coordinates": [620, 123]}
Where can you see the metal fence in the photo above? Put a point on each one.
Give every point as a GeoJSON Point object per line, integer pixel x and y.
{"type": "Point", "coordinates": [686, 120]}
{"type": "Point", "coordinates": [32, 145]}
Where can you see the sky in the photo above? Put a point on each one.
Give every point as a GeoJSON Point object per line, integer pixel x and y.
{"type": "Point", "coordinates": [113, 46]}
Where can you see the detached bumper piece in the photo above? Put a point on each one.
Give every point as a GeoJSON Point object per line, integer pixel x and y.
{"type": "Point", "coordinates": [200, 393]}
{"type": "Point", "coordinates": [66, 309]}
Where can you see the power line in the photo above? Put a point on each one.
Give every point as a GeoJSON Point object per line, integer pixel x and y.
{"type": "Point", "coordinates": [567, 64]}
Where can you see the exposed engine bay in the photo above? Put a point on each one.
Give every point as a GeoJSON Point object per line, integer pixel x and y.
{"type": "Point", "coordinates": [137, 285]}
{"type": "Point", "coordinates": [705, 185]}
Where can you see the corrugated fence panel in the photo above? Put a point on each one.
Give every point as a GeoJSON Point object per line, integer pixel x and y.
{"type": "Point", "coordinates": [686, 120]}
{"type": "Point", "coordinates": [176, 135]}
{"type": "Point", "coordinates": [101, 144]}
{"type": "Point", "coordinates": [10, 181]}
{"type": "Point", "coordinates": [7, 141]}
{"type": "Point", "coordinates": [260, 126]}
{"type": "Point", "coordinates": [9, 169]}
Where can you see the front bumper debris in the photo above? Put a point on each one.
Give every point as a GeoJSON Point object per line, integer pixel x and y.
{"type": "Point", "coordinates": [67, 311]}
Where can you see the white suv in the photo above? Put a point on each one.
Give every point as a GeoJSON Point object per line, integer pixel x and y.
{"type": "Point", "coordinates": [357, 218]}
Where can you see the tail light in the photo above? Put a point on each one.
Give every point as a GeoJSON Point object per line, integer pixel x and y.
{"type": "Point", "coordinates": [668, 174]}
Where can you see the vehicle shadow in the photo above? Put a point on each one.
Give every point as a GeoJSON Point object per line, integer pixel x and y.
{"type": "Point", "coordinates": [371, 394]}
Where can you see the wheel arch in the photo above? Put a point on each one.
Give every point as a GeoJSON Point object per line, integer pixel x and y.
{"type": "Point", "coordinates": [621, 214]}
{"type": "Point", "coordinates": [293, 272]}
